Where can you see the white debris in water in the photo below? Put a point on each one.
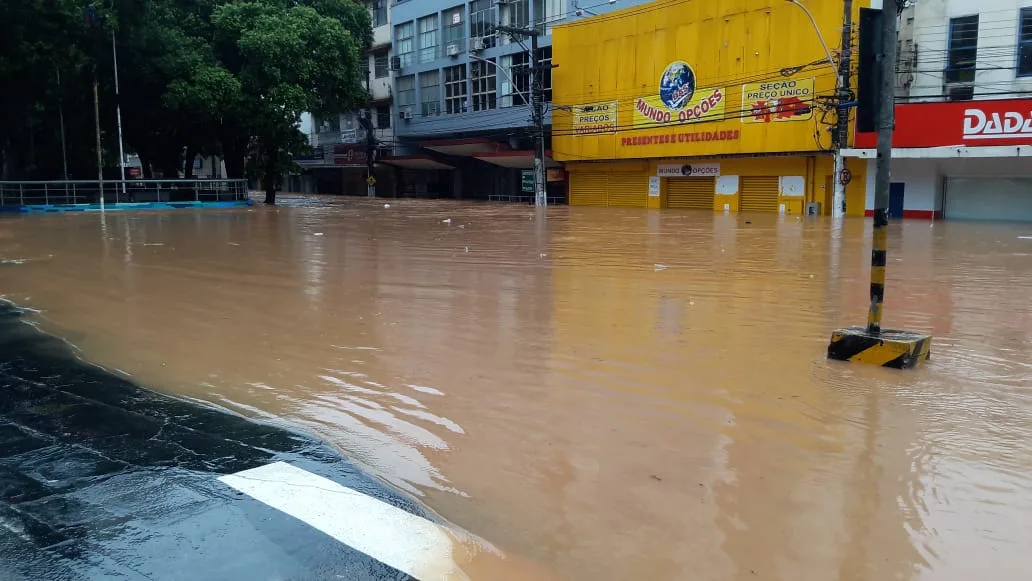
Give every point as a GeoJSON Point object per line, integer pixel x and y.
{"type": "Point", "coordinates": [446, 221]}
{"type": "Point", "coordinates": [462, 225]}
{"type": "Point", "coordinates": [691, 303]}
{"type": "Point", "coordinates": [234, 244]}
{"type": "Point", "coordinates": [153, 244]}
{"type": "Point", "coordinates": [1024, 237]}
{"type": "Point", "coordinates": [661, 267]}
{"type": "Point", "coordinates": [386, 205]}
{"type": "Point", "coordinates": [318, 233]}
{"type": "Point", "coordinates": [542, 255]}
{"type": "Point", "coordinates": [467, 249]}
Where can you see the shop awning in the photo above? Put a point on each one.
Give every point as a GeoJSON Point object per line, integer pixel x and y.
{"type": "Point", "coordinates": [463, 147]}
{"type": "Point", "coordinates": [519, 159]}
{"type": "Point", "coordinates": [415, 162]}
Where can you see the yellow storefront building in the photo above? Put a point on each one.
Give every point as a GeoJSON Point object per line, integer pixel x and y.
{"type": "Point", "coordinates": [724, 106]}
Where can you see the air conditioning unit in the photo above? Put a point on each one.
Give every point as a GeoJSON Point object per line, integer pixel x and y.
{"type": "Point", "coordinates": [452, 50]}
{"type": "Point", "coordinates": [395, 63]}
{"type": "Point", "coordinates": [964, 92]}
{"type": "Point", "coordinates": [477, 45]}
{"type": "Point", "coordinates": [405, 114]}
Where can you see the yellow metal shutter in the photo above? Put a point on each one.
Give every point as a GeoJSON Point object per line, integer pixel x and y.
{"type": "Point", "coordinates": [588, 188]}
{"type": "Point", "coordinates": [692, 193]}
{"type": "Point", "coordinates": [628, 189]}
{"type": "Point", "coordinates": [758, 194]}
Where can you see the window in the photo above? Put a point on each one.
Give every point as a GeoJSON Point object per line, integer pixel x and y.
{"type": "Point", "coordinates": [519, 73]}
{"type": "Point", "coordinates": [484, 89]}
{"type": "Point", "coordinates": [545, 62]}
{"type": "Point", "coordinates": [428, 38]}
{"type": "Point", "coordinates": [383, 117]}
{"type": "Point", "coordinates": [406, 93]}
{"type": "Point", "coordinates": [963, 49]}
{"type": "Point", "coordinates": [455, 89]}
{"type": "Point", "coordinates": [514, 13]}
{"type": "Point", "coordinates": [549, 12]}
{"type": "Point", "coordinates": [481, 21]}
{"type": "Point", "coordinates": [454, 32]}
{"type": "Point", "coordinates": [381, 65]}
{"type": "Point", "coordinates": [430, 93]}
{"type": "Point", "coordinates": [1025, 43]}
{"type": "Point", "coordinates": [404, 45]}
{"type": "Point", "coordinates": [379, 13]}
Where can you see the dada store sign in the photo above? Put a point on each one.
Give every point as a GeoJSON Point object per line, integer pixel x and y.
{"type": "Point", "coordinates": [679, 100]}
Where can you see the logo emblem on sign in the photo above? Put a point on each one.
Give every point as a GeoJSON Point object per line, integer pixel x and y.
{"type": "Point", "coordinates": [677, 85]}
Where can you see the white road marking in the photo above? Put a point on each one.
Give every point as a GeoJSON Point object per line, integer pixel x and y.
{"type": "Point", "coordinates": [409, 543]}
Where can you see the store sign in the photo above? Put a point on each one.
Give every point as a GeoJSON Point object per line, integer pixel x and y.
{"type": "Point", "coordinates": [966, 123]}
{"type": "Point", "coordinates": [774, 101]}
{"type": "Point", "coordinates": [595, 118]}
{"type": "Point", "coordinates": [527, 180]}
{"type": "Point", "coordinates": [679, 101]}
{"type": "Point", "coordinates": [667, 170]}
{"type": "Point", "coordinates": [555, 174]}
{"type": "Point", "coordinates": [668, 137]}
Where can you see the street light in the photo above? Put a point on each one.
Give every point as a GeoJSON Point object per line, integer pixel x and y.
{"type": "Point", "coordinates": [838, 200]}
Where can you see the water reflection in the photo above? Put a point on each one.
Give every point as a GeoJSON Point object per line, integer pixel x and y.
{"type": "Point", "coordinates": [612, 394]}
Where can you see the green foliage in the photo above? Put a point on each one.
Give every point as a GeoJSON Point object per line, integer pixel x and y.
{"type": "Point", "coordinates": [213, 76]}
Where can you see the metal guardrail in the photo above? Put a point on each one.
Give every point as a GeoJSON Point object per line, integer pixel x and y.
{"type": "Point", "coordinates": [70, 192]}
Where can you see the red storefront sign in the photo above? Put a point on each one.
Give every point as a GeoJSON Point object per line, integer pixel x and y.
{"type": "Point", "coordinates": [964, 123]}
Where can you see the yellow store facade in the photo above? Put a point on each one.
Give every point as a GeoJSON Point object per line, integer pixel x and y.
{"type": "Point", "coordinates": [696, 104]}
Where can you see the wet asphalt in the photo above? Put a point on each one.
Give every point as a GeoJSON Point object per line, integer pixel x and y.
{"type": "Point", "coordinates": [103, 479]}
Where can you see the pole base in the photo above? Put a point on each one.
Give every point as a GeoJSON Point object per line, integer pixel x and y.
{"type": "Point", "coordinates": [890, 348]}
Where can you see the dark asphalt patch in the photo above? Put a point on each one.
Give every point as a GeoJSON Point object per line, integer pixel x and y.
{"type": "Point", "coordinates": [102, 479]}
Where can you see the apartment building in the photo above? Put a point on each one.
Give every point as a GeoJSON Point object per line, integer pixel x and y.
{"type": "Point", "coordinates": [462, 94]}
{"type": "Point", "coordinates": [338, 164]}
{"type": "Point", "coordinates": [963, 133]}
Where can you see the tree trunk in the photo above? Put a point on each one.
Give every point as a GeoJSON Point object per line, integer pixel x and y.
{"type": "Point", "coordinates": [188, 169]}
{"type": "Point", "coordinates": [271, 174]}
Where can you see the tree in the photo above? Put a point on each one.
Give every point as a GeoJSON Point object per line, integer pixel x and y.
{"type": "Point", "coordinates": [289, 59]}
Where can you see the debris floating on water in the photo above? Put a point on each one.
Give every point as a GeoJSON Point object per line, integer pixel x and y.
{"type": "Point", "coordinates": [386, 205]}
{"type": "Point", "coordinates": [446, 221]}
{"type": "Point", "coordinates": [318, 233]}
{"type": "Point", "coordinates": [661, 267]}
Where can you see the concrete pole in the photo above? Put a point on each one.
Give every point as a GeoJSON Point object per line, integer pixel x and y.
{"type": "Point", "coordinates": [540, 179]}
{"type": "Point", "coordinates": [100, 153]}
{"type": "Point", "coordinates": [883, 176]}
{"type": "Point", "coordinates": [838, 203]}
{"type": "Point", "coordinates": [118, 113]}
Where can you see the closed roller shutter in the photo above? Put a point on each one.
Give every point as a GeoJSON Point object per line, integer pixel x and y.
{"type": "Point", "coordinates": [588, 188]}
{"type": "Point", "coordinates": [999, 199]}
{"type": "Point", "coordinates": [628, 189]}
{"type": "Point", "coordinates": [691, 193]}
{"type": "Point", "coordinates": [758, 194]}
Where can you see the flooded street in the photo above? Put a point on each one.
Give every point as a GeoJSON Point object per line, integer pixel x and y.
{"type": "Point", "coordinates": [608, 394]}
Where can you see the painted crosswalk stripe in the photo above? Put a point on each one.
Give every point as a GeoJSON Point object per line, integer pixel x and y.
{"type": "Point", "coordinates": [399, 539]}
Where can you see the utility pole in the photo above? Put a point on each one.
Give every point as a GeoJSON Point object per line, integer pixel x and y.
{"type": "Point", "coordinates": [118, 112]}
{"type": "Point", "coordinates": [367, 124]}
{"type": "Point", "coordinates": [838, 200]}
{"type": "Point", "coordinates": [537, 113]}
{"type": "Point", "coordinates": [95, 21]}
{"type": "Point", "coordinates": [60, 113]}
{"type": "Point", "coordinates": [872, 344]}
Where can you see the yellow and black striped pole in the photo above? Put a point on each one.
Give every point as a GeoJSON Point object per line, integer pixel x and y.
{"type": "Point", "coordinates": [872, 344]}
{"type": "Point", "coordinates": [878, 256]}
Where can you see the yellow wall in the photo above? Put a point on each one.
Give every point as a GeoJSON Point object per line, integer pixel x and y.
{"type": "Point", "coordinates": [816, 171]}
{"type": "Point", "coordinates": [621, 56]}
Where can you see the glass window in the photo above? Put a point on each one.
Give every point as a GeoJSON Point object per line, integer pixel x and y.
{"type": "Point", "coordinates": [428, 38]}
{"type": "Point", "coordinates": [455, 89]}
{"type": "Point", "coordinates": [1025, 43]}
{"type": "Point", "coordinates": [482, 21]}
{"type": "Point", "coordinates": [379, 13]}
{"type": "Point", "coordinates": [517, 65]}
{"type": "Point", "coordinates": [545, 63]}
{"type": "Point", "coordinates": [514, 13]}
{"type": "Point", "coordinates": [383, 117]}
{"type": "Point", "coordinates": [430, 93]}
{"type": "Point", "coordinates": [404, 44]}
{"type": "Point", "coordinates": [454, 31]}
{"type": "Point", "coordinates": [381, 65]}
{"type": "Point", "coordinates": [406, 93]}
{"type": "Point", "coordinates": [485, 94]}
{"type": "Point", "coordinates": [963, 49]}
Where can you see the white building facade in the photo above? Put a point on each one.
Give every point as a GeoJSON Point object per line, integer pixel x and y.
{"type": "Point", "coordinates": [963, 137]}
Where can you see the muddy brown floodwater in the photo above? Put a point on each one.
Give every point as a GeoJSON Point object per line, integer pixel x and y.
{"type": "Point", "coordinates": [607, 394]}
